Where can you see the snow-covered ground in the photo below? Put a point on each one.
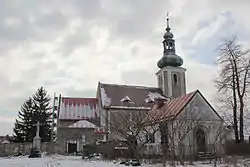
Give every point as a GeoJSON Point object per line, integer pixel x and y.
{"type": "Point", "coordinates": [70, 161]}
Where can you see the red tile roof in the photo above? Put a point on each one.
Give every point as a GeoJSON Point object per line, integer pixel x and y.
{"type": "Point", "coordinates": [77, 101]}
{"type": "Point", "coordinates": [171, 108]}
{"type": "Point", "coordinates": [79, 108]}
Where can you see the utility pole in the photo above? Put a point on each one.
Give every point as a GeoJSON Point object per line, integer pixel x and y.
{"type": "Point", "coordinates": [53, 115]}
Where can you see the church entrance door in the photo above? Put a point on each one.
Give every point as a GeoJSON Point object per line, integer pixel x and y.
{"type": "Point", "coordinates": [201, 140]}
{"type": "Point", "coordinates": [71, 146]}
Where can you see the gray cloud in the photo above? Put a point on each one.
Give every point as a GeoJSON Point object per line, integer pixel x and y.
{"type": "Point", "coordinates": [53, 21]}
{"type": "Point", "coordinates": [80, 93]}
{"type": "Point", "coordinates": [30, 20]}
{"type": "Point", "coordinates": [79, 38]}
{"type": "Point", "coordinates": [7, 128]}
{"type": "Point", "coordinates": [141, 77]}
{"type": "Point", "coordinates": [68, 46]}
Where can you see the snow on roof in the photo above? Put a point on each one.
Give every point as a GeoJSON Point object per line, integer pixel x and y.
{"type": "Point", "coordinates": [79, 108]}
{"type": "Point", "coordinates": [126, 99]}
{"type": "Point", "coordinates": [106, 101]}
{"type": "Point", "coordinates": [152, 96]}
{"type": "Point", "coordinates": [83, 124]}
{"type": "Point", "coordinates": [156, 95]}
{"type": "Point", "coordinates": [149, 100]}
{"type": "Point", "coordinates": [5, 141]}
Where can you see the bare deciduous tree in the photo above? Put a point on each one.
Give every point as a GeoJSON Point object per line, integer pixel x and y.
{"type": "Point", "coordinates": [180, 130]}
{"type": "Point", "coordinates": [217, 129]}
{"type": "Point", "coordinates": [233, 80]}
{"type": "Point", "coordinates": [130, 126]}
{"type": "Point", "coordinates": [183, 137]}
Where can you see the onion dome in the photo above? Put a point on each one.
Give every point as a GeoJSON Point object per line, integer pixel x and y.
{"type": "Point", "coordinates": [170, 58]}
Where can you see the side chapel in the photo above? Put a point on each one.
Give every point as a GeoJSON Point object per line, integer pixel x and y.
{"type": "Point", "coordinates": [84, 120]}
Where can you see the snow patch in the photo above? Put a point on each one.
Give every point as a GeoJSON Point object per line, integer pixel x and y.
{"type": "Point", "coordinates": [67, 161]}
{"type": "Point", "coordinates": [83, 124]}
{"type": "Point", "coordinates": [106, 101]}
{"type": "Point", "coordinates": [149, 100]}
{"type": "Point", "coordinates": [152, 96]}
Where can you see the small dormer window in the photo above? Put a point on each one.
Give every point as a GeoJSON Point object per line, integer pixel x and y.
{"type": "Point", "coordinates": [126, 99]}
{"type": "Point", "coordinates": [175, 78]}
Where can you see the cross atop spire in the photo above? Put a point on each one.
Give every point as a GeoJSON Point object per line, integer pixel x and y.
{"type": "Point", "coordinates": [168, 27]}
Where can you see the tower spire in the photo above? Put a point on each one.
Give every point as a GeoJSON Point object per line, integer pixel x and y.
{"type": "Point", "coordinates": [169, 56]}
{"type": "Point", "coordinates": [170, 77]}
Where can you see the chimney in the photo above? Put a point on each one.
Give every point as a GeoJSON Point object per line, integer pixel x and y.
{"type": "Point", "coordinates": [160, 102]}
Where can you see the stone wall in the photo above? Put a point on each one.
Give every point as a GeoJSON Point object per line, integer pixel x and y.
{"type": "Point", "coordinates": [24, 148]}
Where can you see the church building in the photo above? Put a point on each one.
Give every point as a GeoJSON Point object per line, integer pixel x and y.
{"type": "Point", "coordinates": [85, 120]}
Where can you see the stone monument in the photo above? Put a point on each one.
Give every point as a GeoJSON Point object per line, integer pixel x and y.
{"type": "Point", "coordinates": [36, 145]}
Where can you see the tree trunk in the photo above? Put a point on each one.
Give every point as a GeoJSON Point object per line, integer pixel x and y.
{"type": "Point", "coordinates": [235, 119]}
{"type": "Point", "coordinates": [241, 120]}
{"type": "Point", "coordinates": [164, 154]}
{"type": "Point", "coordinates": [235, 82]}
{"type": "Point", "coordinates": [236, 134]}
{"type": "Point", "coordinates": [237, 86]}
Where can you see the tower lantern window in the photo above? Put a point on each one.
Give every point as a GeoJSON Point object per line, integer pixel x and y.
{"type": "Point", "coordinates": [175, 78]}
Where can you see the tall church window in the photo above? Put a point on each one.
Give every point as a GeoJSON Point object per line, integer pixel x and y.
{"type": "Point", "coordinates": [175, 78]}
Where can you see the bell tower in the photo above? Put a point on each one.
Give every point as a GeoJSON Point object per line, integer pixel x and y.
{"type": "Point", "coordinates": [171, 76]}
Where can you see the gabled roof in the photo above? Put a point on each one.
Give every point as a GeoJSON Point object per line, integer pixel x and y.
{"type": "Point", "coordinates": [112, 96]}
{"type": "Point", "coordinates": [78, 108]}
{"type": "Point", "coordinates": [172, 108]}
{"type": "Point", "coordinates": [5, 139]}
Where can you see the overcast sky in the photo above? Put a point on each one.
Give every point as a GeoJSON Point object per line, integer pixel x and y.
{"type": "Point", "coordinates": [67, 46]}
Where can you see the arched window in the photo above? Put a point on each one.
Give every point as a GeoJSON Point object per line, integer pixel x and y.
{"type": "Point", "coordinates": [170, 45]}
{"type": "Point", "coordinates": [175, 78]}
{"type": "Point", "coordinates": [200, 140]}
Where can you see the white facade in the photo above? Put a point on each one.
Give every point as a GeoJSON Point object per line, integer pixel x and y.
{"type": "Point", "coordinates": [172, 81]}
{"type": "Point", "coordinates": [197, 115]}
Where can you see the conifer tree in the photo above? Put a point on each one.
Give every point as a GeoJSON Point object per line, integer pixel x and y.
{"type": "Point", "coordinates": [23, 129]}
{"type": "Point", "coordinates": [18, 135]}
{"type": "Point", "coordinates": [42, 113]}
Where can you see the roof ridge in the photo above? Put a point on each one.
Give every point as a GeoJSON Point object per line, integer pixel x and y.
{"type": "Point", "coordinates": [89, 98]}
{"type": "Point", "coordinates": [193, 92]}
{"type": "Point", "coordinates": [129, 86]}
